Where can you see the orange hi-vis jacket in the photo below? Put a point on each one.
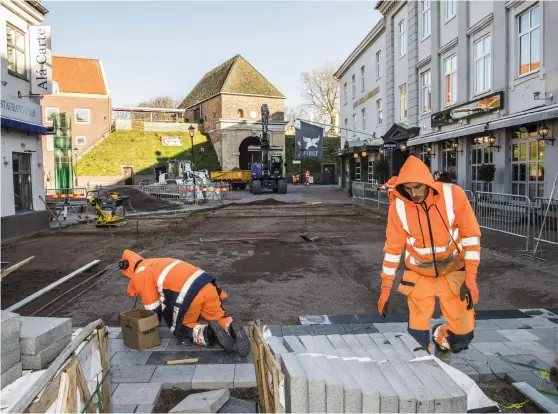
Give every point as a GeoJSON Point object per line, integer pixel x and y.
{"type": "Point", "coordinates": [439, 236]}
{"type": "Point", "coordinates": [169, 283]}
{"type": "Point", "coordinates": [390, 186]}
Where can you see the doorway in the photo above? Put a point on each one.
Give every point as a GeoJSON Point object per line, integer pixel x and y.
{"type": "Point", "coordinates": [128, 173]}
{"type": "Point", "coordinates": [246, 158]}
{"type": "Point", "coordinates": [328, 173]}
{"type": "Point", "coordinates": [398, 158]}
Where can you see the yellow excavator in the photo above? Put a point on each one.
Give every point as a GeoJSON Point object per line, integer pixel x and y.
{"type": "Point", "coordinates": [110, 210]}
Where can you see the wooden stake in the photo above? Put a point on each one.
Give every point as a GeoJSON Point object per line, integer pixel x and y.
{"type": "Point", "coordinates": [10, 269]}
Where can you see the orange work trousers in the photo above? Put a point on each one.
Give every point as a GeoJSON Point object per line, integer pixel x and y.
{"type": "Point", "coordinates": [207, 304]}
{"type": "Point", "coordinates": [422, 291]}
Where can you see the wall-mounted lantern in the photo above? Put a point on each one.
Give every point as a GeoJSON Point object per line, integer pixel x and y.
{"type": "Point", "coordinates": [363, 154]}
{"type": "Point", "coordinates": [492, 141]}
{"type": "Point", "coordinates": [355, 155]}
{"type": "Point", "coordinates": [455, 146]}
{"type": "Point", "coordinates": [543, 134]}
{"type": "Point", "coordinates": [428, 150]}
{"type": "Point", "coordinates": [403, 147]}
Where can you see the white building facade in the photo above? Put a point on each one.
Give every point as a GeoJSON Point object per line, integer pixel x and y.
{"type": "Point", "coordinates": [25, 50]}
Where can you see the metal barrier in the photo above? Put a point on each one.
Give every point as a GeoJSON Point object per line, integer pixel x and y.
{"type": "Point", "coordinates": [546, 227]}
{"type": "Point", "coordinates": [369, 191]}
{"type": "Point", "coordinates": [66, 196]}
{"type": "Point", "coordinates": [470, 196]}
{"type": "Point", "coordinates": [184, 193]}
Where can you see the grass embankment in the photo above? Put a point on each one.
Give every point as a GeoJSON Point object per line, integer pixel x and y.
{"type": "Point", "coordinates": [143, 150]}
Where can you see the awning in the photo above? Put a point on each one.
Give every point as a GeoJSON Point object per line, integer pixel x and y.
{"type": "Point", "coordinates": [527, 117]}
{"type": "Point", "coordinates": [23, 126]}
{"type": "Point", "coordinates": [442, 136]}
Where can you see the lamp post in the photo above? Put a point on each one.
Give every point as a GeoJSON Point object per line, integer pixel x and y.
{"type": "Point", "coordinates": [192, 131]}
{"type": "Point", "coordinates": [75, 168]}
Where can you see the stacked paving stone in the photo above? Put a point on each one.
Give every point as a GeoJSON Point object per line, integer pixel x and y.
{"type": "Point", "coordinates": [42, 340]}
{"type": "Point", "coordinates": [11, 356]}
{"type": "Point", "coordinates": [363, 373]}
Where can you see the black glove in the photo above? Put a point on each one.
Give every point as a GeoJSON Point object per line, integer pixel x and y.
{"type": "Point", "coordinates": [465, 294]}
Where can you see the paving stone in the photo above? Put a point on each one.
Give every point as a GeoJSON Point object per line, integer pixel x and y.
{"type": "Point", "coordinates": [175, 344]}
{"type": "Point", "coordinates": [202, 402]}
{"type": "Point", "coordinates": [544, 333]}
{"type": "Point", "coordinates": [113, 386]}
{"type": "Point", "coordinates": [491, 348]}
{"type": "Point", "coordinates": [515, 335]}
{"type": "Point", "coordinates": [123, 408]}
{"type": "Point", "coordinates": [11, 343]}
{"type": "Point", "coordinates": [113, 332]}
{"type": "Point", "coordinates": [316, 384]}
{"type": "Point", "coordinates": [169, 376]}
{"type": "Point", "coordinates": [131, 373]}
{"type": "Point", "coordinates": [549, 358]}
{"type": "Point", "coordinates": [518, 323]}
{"type": "Point", "coordinates": [38, 334]}
{"type": "Point", "coordinates": [213, 376]}
{"type": "Point", "coordinates": [468, 353]}
{"type": "Point", "coordinates": [465, 368]}
{"type": "Point", "coordinates": [527, 347]}
{"type": "Point", "coordinates": [485, 325]}
{"type": "Point", "coordinates": [277, 348]}
{"type": "Point", "coordinates": [293, 344]}
{"type": "Point", "coordinates": [356, 347]}
{"type": "Point", "coordinates": [130, 358]}
{"type": "Point", "coordinates": [161, 358]}
{"type": "Point", "coordinates": [407, 399]}
{"type": "Point", "coordinates": [275, 330]}
{"type": "Point", "coordinates": [399, 346]}
{"type": "Point", "coordinates": [530, 377]}
{"type": "Point", "coordinates": [458, 396]}
{"type": "Point", "coordinates": [425, 399]}
{"type": "Point", "coordinates": [489, 367]}
{"type": "Point", "coordinates": [244, 376]}
{"type": "Point", "coordinates": [136, 393]}
{"type": "Point", "coordinates": [328, 329]}
{"type": "Point", "coordinates": [46, 356]}
{"type": "Point", "coordinates": [442, 399]}
{"type": "Point", "coordinates": [360, 328]}
{"type": "Point", "coordinates": [391, 327]}
{"type": "Point", "coordinates": [527, 360]}
{"type": "Point", "coordinates": [235, 358]}
{"type": "Point", "coordinates": [490, 336]}
{"type": "Point", "coordinates": [145, 408]}
{"type": "Point", "coordinates": [340, 346]}
{"type": "Point", "coordinates": [164, 332]}
{"type": "Point", "coordinates": [385, 346]}
{"type": "Point", "coordinates": [235, 405]}
{"type": "Point", "coordinates": [540, 323]}
{"type": "Point", "coordinates": [500, 314]}
{"type": "Point", "coordinates": [541, 400]}
{"type": "Point", "coordinates": [333, 384]}
{"type": "Point", "coordinates": [296, 384]}
{"type": "Point", "coordinates": [352, 395]}
{"type": "Point", "coordinates": [389, 400]}
{"type": "Point", "coordinates": [10, 323]}
{"type": "Point", "coordinates": [343, 319]}
{"type": "Point", "coordinates": [314, 320]}
{"type": "Point", "coordinates": [549, 344]}
{"type": "Point", "coordinates": [10, 375]}
{"type": "Point", "coordinates": [297, 330]}
{"type": "Point", "coordinates": [370, 395]}
{"type": "Point", "coordinates": [117, 345]}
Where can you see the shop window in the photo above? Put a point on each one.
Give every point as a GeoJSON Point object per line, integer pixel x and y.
{"type": "Point", "coordinates": [481, 153]}
{"type": "Point", "coordinates": [371, 172]}
{"type": "Point", "coordinates": [15, 42]}
{"type": "Point", "coordinates": [21, 166]}
{"type": "Point", "coordinates": [449, 162]}
{"type": "Point", "coordinates": [357, 169]}
{"type": "Point", "coordinates": [427, 159]}
{"type": "Point", "coordinates": [527, 162]}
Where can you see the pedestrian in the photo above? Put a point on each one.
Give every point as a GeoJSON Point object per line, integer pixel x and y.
{"type": "Point", "coordinates": [307, 177]}
{"type": "Point", "coordinates": [436, 227]}
{"type": "Point", "coordinates": [182, 294]}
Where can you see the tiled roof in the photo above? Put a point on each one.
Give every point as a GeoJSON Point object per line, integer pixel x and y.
{"type": "Point", "coordinates": [79, 75]}
{"type": "Point", "coordinates": [236, 75]}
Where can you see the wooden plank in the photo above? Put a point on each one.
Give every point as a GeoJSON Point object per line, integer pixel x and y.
{"type": "Point", "coordinates": [48, 397]}
{"type": "Point", "coordinates": [62, 394]}
{"type": "Point", "coordinates": [13, 268]}
{"type": "Point", "coordinates": [84, 389]}
{"type": "Point", "coordinates": [103, 349]}
{"type": "Point", "coordinates": [72, 384]}
{"type": "Point", "coordinates": [182, 361]}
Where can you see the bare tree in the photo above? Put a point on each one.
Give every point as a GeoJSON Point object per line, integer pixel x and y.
{"type": "Point", "coordinates": [160, 102]}
{"type": "Point", "coordinates": [293, 113]}
{"type": "Point", "coordinates": [321, 92]}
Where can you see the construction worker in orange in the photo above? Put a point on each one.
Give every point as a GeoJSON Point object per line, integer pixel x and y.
{"type": "Point", "coordinates": [181, 293]}
{"type": "Point", "coordinates": [307, 177]}
{"type": "Point", "coordinates": [436, 227]}
{"type": "Point", "coordinates": [389, 186]}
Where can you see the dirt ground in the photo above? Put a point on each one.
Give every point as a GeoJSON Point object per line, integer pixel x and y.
{"type": "Point", "coordinates": [273, 280]}
{"type": "Point", "coordinates": [169, 398]}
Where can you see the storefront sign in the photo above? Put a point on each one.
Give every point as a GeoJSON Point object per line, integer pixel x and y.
{"type": "Point", "coordinates": [18, 109]}
{"type": "Point", "coordinates": [390, 145]}
{"type": "Point", "coordinates": [366, 97]}
{"type": "Point", "coordinates": [41, 60]}
{"type": "Point", "coordinates": [296, 161]}
{"type": "Point", "coordinates": [171, 141]}
{"type": "Point", "coordinates": [476, 107]}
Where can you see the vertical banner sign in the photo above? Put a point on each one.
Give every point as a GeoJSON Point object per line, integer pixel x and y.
{"type": "Point", "coordinates": [41, 60]}
{"type": "Point", "coordinates": [309, 141]}
{"type": "Point", "coordinates": [265, 123]}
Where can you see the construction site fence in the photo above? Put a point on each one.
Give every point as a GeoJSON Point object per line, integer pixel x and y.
{"type": "Point", "coordinates": [506, 213]}
{"type": "Point", "coordinates": [184, 193]}
{"type": "Point", "coordinates": [60, 197]}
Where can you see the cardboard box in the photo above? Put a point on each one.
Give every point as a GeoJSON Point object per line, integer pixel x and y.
{"type": "Point", "coordinates": [140, 329]}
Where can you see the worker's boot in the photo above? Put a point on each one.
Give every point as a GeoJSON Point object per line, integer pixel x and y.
{"type": "Point", "coordinates": [439, 337]}
{"type": "Point", "coordinates": [221, 337]}
{"type": "Point", "coordinates": [242, 340]}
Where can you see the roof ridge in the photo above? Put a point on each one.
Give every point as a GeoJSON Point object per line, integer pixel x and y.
{"type": "Point", "coordinates": [75, 57]}
{"type": "Point", "coordinates": [235, 59]}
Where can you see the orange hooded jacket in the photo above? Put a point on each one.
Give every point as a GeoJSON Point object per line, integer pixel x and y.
{"type": "Point", "coordinates": [439, 236]}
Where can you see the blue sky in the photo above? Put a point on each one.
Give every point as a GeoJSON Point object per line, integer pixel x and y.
{"type": "Point", "coordinates": [157, 48]}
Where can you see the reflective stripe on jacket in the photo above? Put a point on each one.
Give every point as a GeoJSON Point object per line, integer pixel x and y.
{"type": "Point", "coordinates": [439, 236]}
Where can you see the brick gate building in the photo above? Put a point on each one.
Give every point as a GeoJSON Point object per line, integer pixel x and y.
{"type": "Point", "coordinates": [226, 103]}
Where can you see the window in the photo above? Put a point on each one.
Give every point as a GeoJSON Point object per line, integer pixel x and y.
{"type": "Point", "coordinates": [371, 171]}
{"type": "Point", "coordinates": [346, 92]}
{"type": "Point", "coordinates": [450, 9]}
{"type": "Point", "coordinates": [527, 162]}
{"type": "Point", "coordinates": [354, 125]}
{"type": "Point", "coordinates": [82, 116]}
{"type": "Point", "coordinates": [346, 127]}
{"type": "Point", "coordinates": [403, 102]}
{"type": "Point", "coordinates": [354, 86]}
{"type": "Point", "coordinates": [357, 169]}
{"type": "Point", "coordinates": [426, 92]}
{"type": "Point", "coordinates": [483, 64]}
{"type": "Point", "coordinates": [379, 65]}
{"type": "Point", "coordinates": [450, 84]}
{"type": "Point", "coordinates": [449, 161]}
{"type": "Point", "coordinates": [15, 42]}
{"type": "Point", "coordinates": [49, 112]}
{"type": "Point", "coordinates": [425, 18]}
{"type": "Point", "coordinates": [530, 41]}
{"type": "Point", "coordinates": [240, 114]}
{"type": "Point", "coordinates": [362, 70]}
{"type": "Point", "coordinates": [481, 153]}
{"type": "Point", "coordinates": [363, 113]}
{"type": "Point", "coordinates": [402, 39]}
{"type": "Point", "coordinates": [50, 142]}
{"type": "Point", "coordinates": [21, 165]}
{"type": "Point", "coordinates": [80, 141]}
{"type": "Point", "coordinates": [379, 111]}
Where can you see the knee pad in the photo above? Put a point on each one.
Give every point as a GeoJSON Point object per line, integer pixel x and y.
{"type": "Point", "coordinates": [459, 343]}
{"type": "Point", "coordinates": [422, 337]}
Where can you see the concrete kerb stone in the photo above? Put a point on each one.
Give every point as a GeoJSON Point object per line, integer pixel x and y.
{"type": "Point", "coordinates": [203, 402]}
{"type": "Point", "coordinates": [173, 376]}
{"type": "Point", "coordinates": [294, 345]}
{"type": "Point", "coordinates": [136, 393]}
{"type": "Point", "coordinates": [235, 405]}
{"type": "Point", "coordinates": [334, 386]}
{"type": "Point", "coordinates": [340, 346]}
{"type": "Point", "coordinates": [370, 347]}
{"type": "Point", "coordinates": [132, 374]}
{"type": "Point", "coordinates": [10, 323]}
{"type": "Point", "coordinates": [370, 395]}
{"type": "Point", "coordinates": [42, 359]}
{"type": "Point", "coordinates": [411, 344]}
{"type": "Point", "coordinates": [458, 396]}
{"type": "Point", "coordinates": [10, 375]}
{"type": "Point", "coordinates": [425, 399]}
{"type": "Point", "coordinates": [38, 334]}
{"type": "Point", "coordinates": [213, 376]}
{"type": "Point", "coordinates": [386, 347]}
{"type": "Point", "coordinates": [145, 408]}
{"type": "Point", "coordinates": [130, 358]}
{"type": "Point", "coordinates": [407, 398]}
{"type": "Point", "coordinates": [244, 376]}
{"type": "Point", "coordinates": [389, 400]}
{"type": "Point", "coordinates": [325, 347]}
{"type": "Point", "coordinates": [356, 347]}
{"type": "Point", "coordinates": [316, 384]}
{"type": "Point", "coordinates": [296, 384]}
{"type": "Point", "coordinates": [442, 399]}
{"type": "Point", "coordinates": [10, 359]}
{"type": "Point", "coordinates": [11, 343]}
{"type": "Point", "coordinates": [352, 395]}
{"type": "Point", "coordinates": [277, 348]}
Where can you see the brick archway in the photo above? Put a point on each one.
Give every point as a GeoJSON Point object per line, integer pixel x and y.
{"type": "Point", "coordinates": [246, 158]}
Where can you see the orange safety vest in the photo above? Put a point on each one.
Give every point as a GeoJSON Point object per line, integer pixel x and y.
{"type": "Point", "coordinates": [439, 236]}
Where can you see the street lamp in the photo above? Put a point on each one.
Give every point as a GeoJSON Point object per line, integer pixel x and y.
{"type": "Point", "coordinates": [543, 131]}
{"type": "Point", "coordinates": [75, 168]}
{"type": "Point", "coordinates": [192, 131]}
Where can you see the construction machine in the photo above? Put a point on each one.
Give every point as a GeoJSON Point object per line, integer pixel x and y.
{"type": "Point", "coordinates": [271, 175]}
{"type": "Point", "coordinates": [110, 210]}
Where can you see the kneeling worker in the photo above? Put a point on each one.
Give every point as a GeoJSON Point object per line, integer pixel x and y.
{"type": "Point", "coordinates": [435, 225]}
{"type": "Point", "coordinates": [180, 293]}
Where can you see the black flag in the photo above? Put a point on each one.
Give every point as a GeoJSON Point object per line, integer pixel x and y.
{"type": "Point", "coordinates": [309, 141]}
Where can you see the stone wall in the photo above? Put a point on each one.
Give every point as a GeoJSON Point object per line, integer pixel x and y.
{"type": "Point", "coordinates": [248, 104]}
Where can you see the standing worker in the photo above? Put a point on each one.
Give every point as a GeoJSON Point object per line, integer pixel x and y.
{"type": "Point", "coordinates": [180, 293]}
{"type": "Point", "coordinates": [435, 225]}
{"type": "Point", "coordinates": [307, 177]}
{"type": "Point", "coordinates": [389, 186]}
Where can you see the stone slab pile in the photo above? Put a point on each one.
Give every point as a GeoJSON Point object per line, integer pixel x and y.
{"type": "Point", "coordinates": [10, 325]}
{"type": "Point", "coordinates": [42, 340]}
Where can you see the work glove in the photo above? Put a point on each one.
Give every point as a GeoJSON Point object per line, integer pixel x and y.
{"type": "Point", "coordinates": [385, 291]}
{"type": "Point", "coordinates": [470, 291]}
